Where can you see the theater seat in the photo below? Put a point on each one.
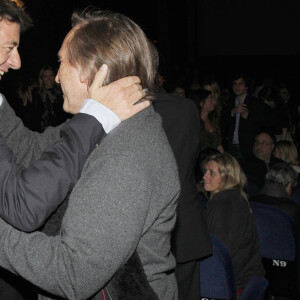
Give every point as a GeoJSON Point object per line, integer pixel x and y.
{"type": "Point", "coordinates": [217, 278]}
{"type": "Point", "coordinates": [216, 273]}
{"type": "Point", "coordinates": [255, 289]}
{"type": "Point", "coordinates": [276, 233]}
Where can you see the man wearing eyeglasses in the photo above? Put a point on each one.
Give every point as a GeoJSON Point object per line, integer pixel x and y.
{"type": "Point", "coordinates": [262, 160]}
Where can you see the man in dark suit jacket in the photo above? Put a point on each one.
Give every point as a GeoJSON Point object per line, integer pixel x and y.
{"type": "Point", "coordinates": [241, 120]}
{"type": "Point", "coordinates": [190, 240]}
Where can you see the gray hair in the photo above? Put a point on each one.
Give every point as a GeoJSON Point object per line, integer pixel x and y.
{"type": "Point", "coordinates": [282, 174]}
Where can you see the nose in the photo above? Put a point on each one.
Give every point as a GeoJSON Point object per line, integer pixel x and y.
{"type": "Point", "coordinates": [56, 78]}
{"type": "Point", "coordinates": [15, 60]}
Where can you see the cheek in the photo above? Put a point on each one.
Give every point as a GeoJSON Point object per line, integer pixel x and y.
{"type": "Point", "coordinates": [3, 57]}
{"type": "Point", "coordinates": [217, 183]}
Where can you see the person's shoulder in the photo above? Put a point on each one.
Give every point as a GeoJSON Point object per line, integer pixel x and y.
{"type": "Point", "coordinates": [228, 195]}
{"type": "Point", "coordinates": [228, 201]}
{"type": "Point", "coordinates": [142, 132]}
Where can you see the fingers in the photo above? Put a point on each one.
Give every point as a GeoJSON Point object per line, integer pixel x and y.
{"type": "Point", "coordinates": [136, 96]}
{"type": "Point", "coordinates": [140, 106]}
{"type": "Point", "coordinates": [133, 88]}
{"type": "Point", "coordinates": [128, 81]}
{"type": "Point", "coordinates": [100, 77]}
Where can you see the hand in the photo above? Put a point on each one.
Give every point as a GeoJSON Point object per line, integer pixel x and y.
{"type": "Point", "coordinates": [220, 148]}
{"type": "Point", "coordinates": [119, 96]}
{"type": "Point", "coordinates": [244, 111]}
{"type": "Point", "coordinates": [240, 108]}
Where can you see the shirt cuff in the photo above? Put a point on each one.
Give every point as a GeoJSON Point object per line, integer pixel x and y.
{"type": "Point", "coordinates": [105, 116]}
{"type": "Point", "coordinates": [1, 99]}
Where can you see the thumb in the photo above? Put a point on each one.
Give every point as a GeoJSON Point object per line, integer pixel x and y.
{"type": "Point", "coordinates": [100, 76]}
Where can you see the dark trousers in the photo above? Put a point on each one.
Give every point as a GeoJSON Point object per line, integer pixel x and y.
{"type": "Point", "coordinates": [188, 280]}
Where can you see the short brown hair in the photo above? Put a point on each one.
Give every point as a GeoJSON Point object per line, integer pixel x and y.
{"type": "Point", "coordinates": [14, 12]}
{"type": "Point", "coordinates": [114, 39]}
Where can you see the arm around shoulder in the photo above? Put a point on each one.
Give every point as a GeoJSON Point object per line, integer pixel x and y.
{"type": "Point", "coordinates": [29, 196]}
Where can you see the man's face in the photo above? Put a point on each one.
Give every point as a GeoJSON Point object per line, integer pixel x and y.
{"type": "Point", "coordinates": [263, 147]}
{"type": "Point", "coordinates": [9, 42]}
{"type": "Point", "coordinates": [239, 87]}
{"type": "Point", "coordinates": [75, 91]}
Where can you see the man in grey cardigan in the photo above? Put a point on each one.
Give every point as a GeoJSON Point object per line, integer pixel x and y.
{"type": "Point", "coordinates": [126, 197]}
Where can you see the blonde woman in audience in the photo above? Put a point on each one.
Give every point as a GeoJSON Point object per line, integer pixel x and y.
{"type": "Point", "coordinates": [287, 151]}
{"type": "Point", "coordinates": [229, 216]}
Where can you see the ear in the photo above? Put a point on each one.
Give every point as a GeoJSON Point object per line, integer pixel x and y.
{"type": "Point", "coordinates": [83, 76]}
{"type": "Point", "coordinates": [87, 76]}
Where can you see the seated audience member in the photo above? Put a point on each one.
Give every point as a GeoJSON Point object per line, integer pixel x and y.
{"type": "Point", "coordinates": [229, 216]}
{"type": "Point", "coordinates": [257, 165]}
{"type": "Point", "coordinates": [209, 122]}
{"type": "Point", "coordinates": [126, 197]}
{"type": "Point", "coordinates": [203, 154]}
{"type": "Point", "coordinates": [281, 179]}
{"type": "Point", "coordinates": [178, 90]}
{"type": "Point", "coordinates": [287, 151]}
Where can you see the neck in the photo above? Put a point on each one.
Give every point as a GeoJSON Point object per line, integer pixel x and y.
{"type": "Point", "coordinates": [204, 114]}
{"type": "Point", "coordinates": [241, 97]}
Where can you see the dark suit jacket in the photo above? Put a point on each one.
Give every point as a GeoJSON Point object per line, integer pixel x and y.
{"type": "Point", "coordinates": [248, 128]}
{"type": "Point", "coordinates": [29, 196]}
{"type": "Point", "coordinates": [190, 240]}
{"type": "Point", "coordinates": [256, 169]}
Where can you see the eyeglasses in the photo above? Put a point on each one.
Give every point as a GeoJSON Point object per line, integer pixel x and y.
{"type": "Point", "coordinates": [262, 143]}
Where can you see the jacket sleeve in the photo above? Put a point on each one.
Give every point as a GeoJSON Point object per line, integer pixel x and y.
{"type": "Point", "coordinates": [30, 195]}
{"type": "Point", "coordinates": [26, 144]}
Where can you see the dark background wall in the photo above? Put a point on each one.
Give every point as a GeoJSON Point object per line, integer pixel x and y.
{"type": "Point", "coordinates": [194, 38]}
